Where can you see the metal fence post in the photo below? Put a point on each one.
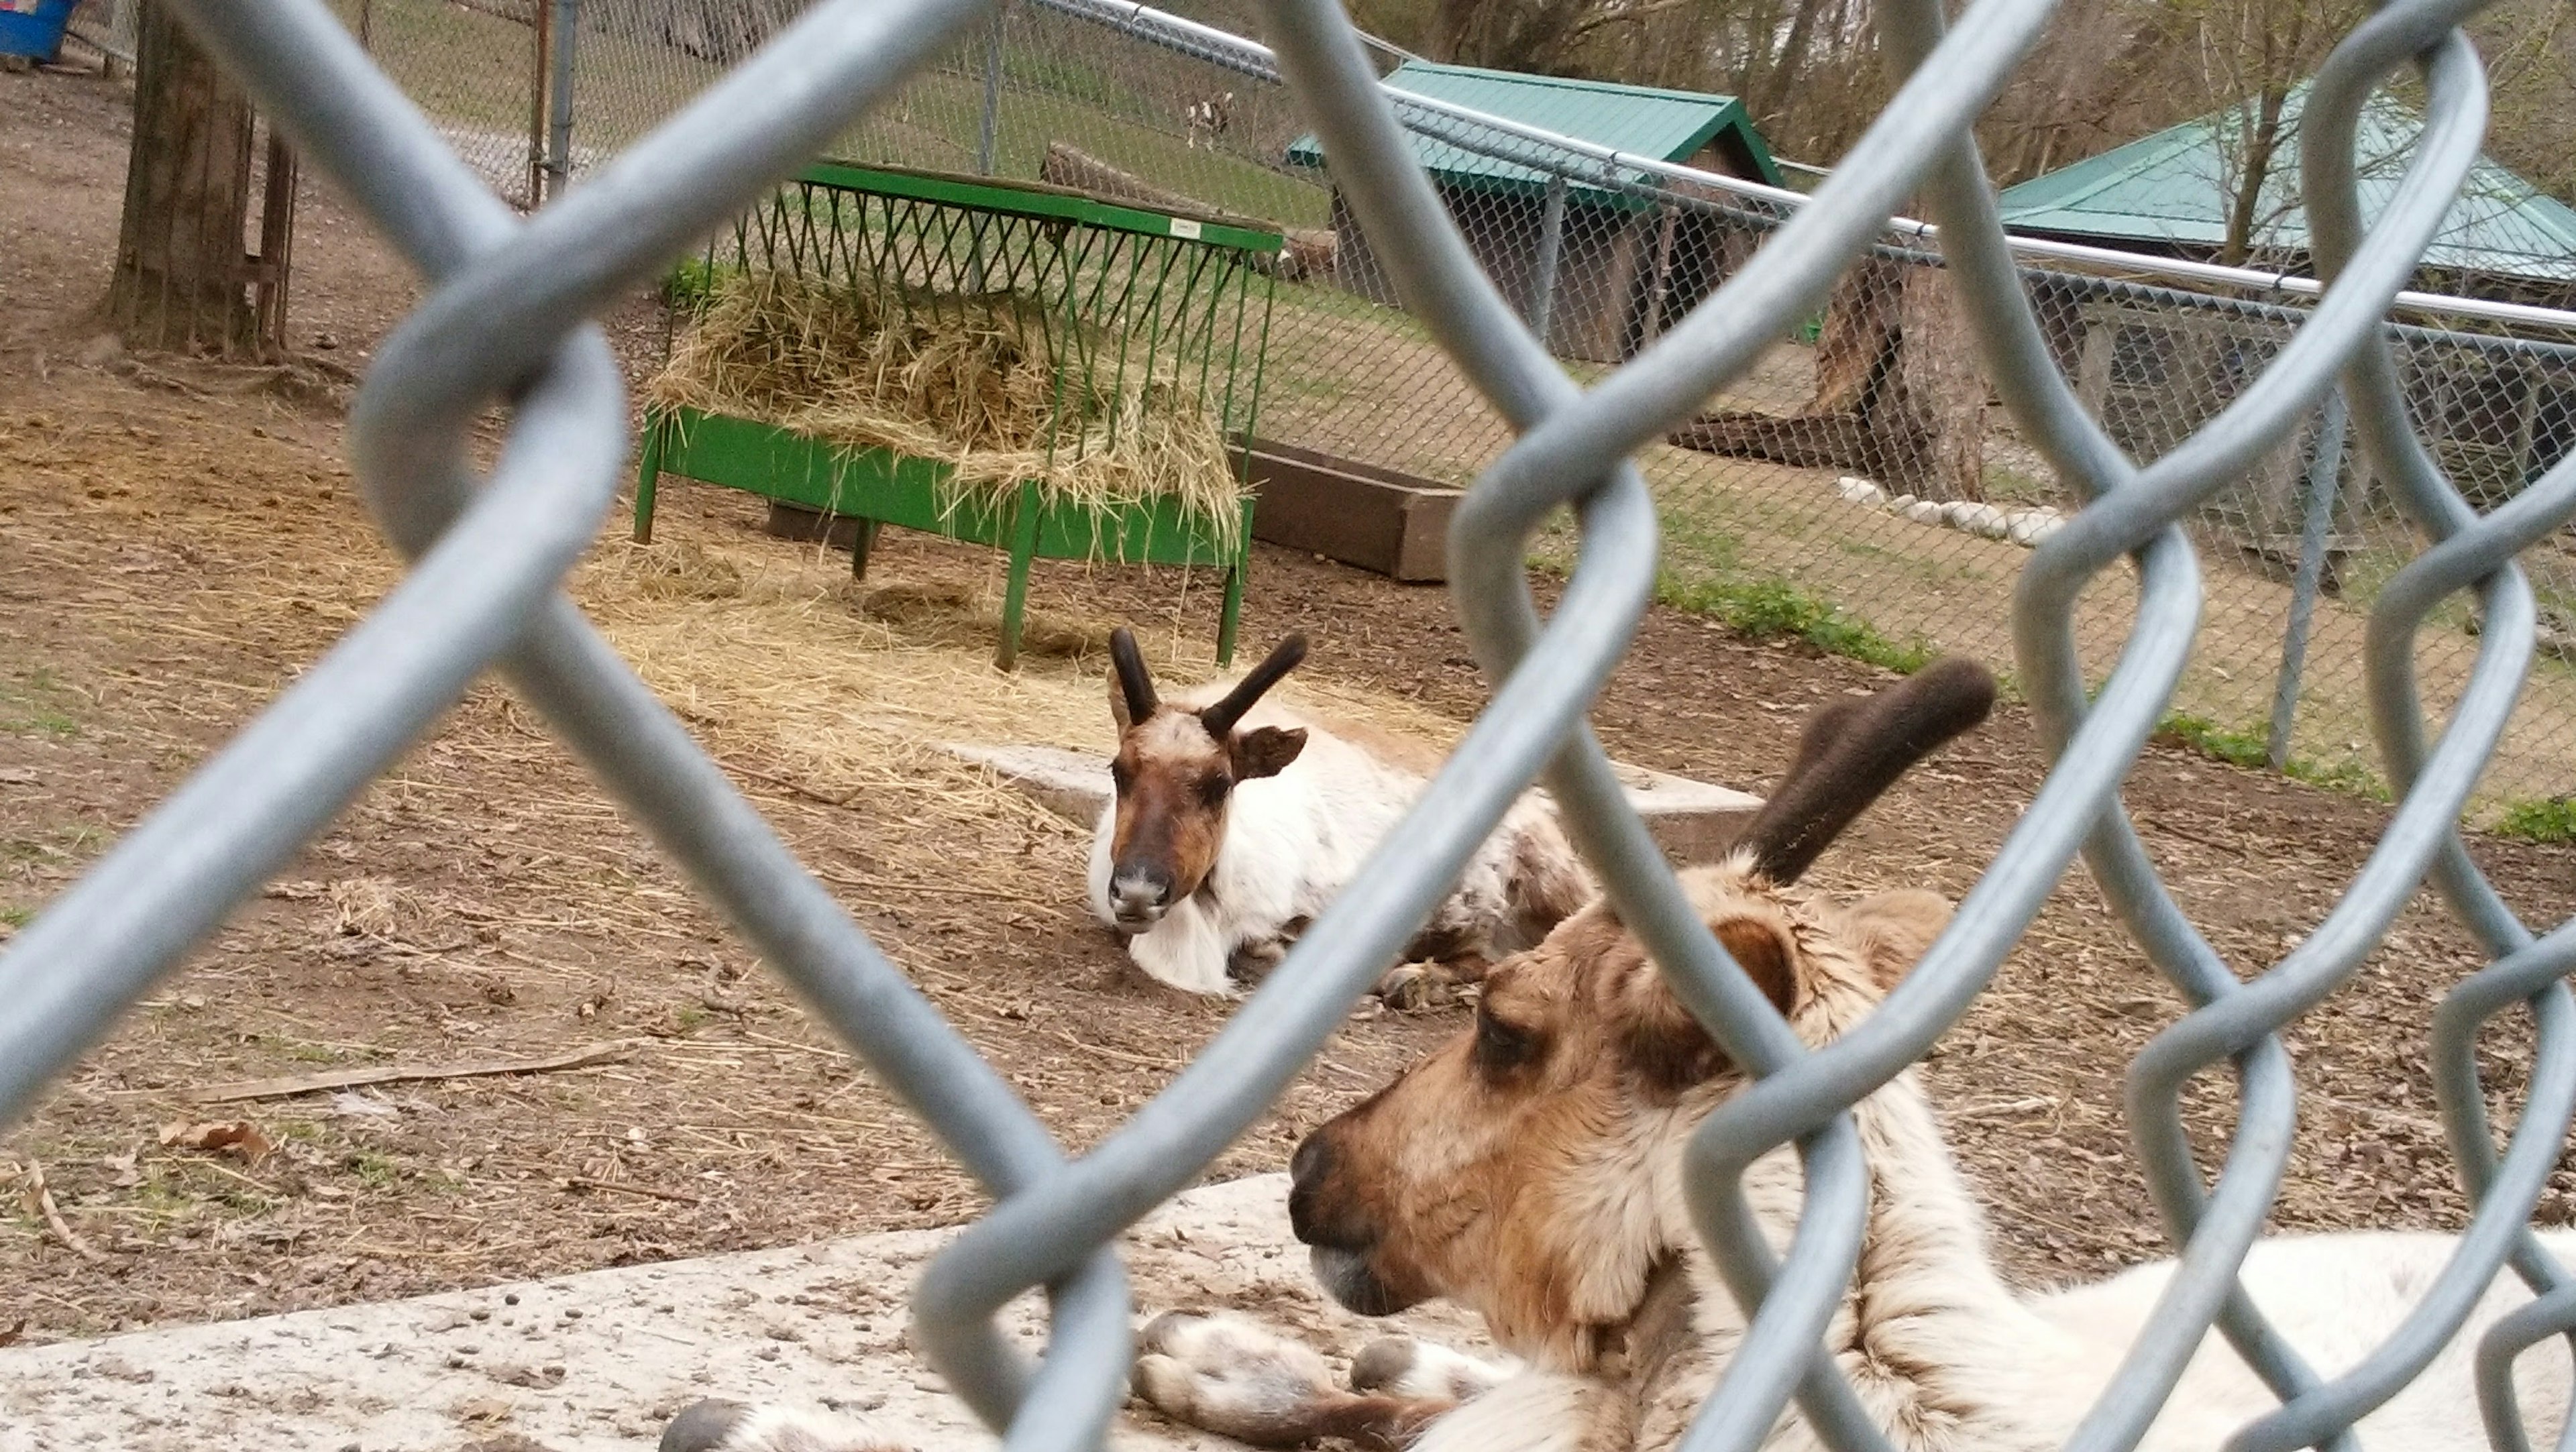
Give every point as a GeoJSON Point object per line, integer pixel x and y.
{"type": "Point", "coordinates": [2324, 474]}
{"type": "Point", "coordinates": [1551, 247]}
{"type": "Point", "coordinates": [987, 132]}
{"type": "Point", "coordinates": [567, 31]}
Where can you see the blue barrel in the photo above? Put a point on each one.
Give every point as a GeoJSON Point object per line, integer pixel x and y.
{"type": "Point", "coordinates": [34, 28]}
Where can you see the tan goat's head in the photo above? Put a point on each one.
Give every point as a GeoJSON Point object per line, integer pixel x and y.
{"type": "Point", "coordinates": [1175, 772]}
{"type": "Point", "coordinates": [1515, 1170]}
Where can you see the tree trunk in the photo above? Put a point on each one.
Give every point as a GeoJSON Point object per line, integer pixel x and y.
{"type": "Point", "coordinates": [1899, 396]}
{"type": "Point", "coordinates": [182, 279]}
{"type": "Point", "coordinates": [1932, 411]}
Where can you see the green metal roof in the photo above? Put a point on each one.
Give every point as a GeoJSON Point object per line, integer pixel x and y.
{"type": "Point", "coordinates": [1642, 120]}
{"type": "Point", "coordinates": [2173, 187]}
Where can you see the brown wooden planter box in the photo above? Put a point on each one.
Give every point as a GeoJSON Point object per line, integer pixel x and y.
{"type": "Point", "coordinates": [1394, 523]}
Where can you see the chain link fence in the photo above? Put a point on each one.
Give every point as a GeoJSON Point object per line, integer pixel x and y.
{"type": "Point", "coordinates": [1860, 485]}
{"type": "Point", "coordinates": [2128, 572]}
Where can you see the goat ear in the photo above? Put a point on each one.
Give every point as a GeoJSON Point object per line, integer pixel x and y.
{"type": "Point", "coordinates": [1663, 1045]}
{"type": "Point", "coordinates": [1892, 930]}
{"type": "Point", "coordinates": [1266, 751]}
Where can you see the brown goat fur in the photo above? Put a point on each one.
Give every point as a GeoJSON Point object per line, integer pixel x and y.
{"type": "Point", "coordinates": [1493, 1172]}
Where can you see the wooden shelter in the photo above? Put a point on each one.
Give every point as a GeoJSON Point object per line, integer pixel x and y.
{"type": "Point", "coordinates": [1599, 270]}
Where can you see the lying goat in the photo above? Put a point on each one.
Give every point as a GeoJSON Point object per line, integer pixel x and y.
{"type": "Point", "coordinates": [1531, 1170]}
{"type": "Point", "coordinates": [1235, 822]}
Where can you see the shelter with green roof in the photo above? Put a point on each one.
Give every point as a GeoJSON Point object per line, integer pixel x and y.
{"type": "Point", "coordinates": [2497, 411]}
{"type": "Point", "coordinates": [2170, 193]}
{"type": "Point", "coordinates": [1597, 268]}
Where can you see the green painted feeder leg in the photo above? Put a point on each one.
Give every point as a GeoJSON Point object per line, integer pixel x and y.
{"type": "Point", "coordinates": [1232, 617]}
{"type": "Point", "coordinates": [1015, 593]}
{"type": "Point", "coordinates": [648, 479]}
{"type": "Point", "coordinates": [864, 541]}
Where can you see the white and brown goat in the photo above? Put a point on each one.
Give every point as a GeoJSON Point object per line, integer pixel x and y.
{"type": "Point", "coordinates": [1235, 821]}
{"type": "Point", "coordinates": [1208, 118]}
{"type": "Point", "coordinates": [1531, 1170]}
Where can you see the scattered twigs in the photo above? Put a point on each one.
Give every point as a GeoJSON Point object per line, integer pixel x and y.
{"type": "Point", "coordinates": [294, 1084]}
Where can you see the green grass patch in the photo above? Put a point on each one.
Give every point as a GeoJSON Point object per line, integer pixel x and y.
{"type": "Point", "coordinates": [1774, 609]}
{"type": "Point", "coordinates": [37, 704]}
{"type": "Point", "coordinates": [2252, 749]}
{"type": "Point", "coordinates": [2549, 819]}
{"type": "Point", "coordinates": [17, 917]}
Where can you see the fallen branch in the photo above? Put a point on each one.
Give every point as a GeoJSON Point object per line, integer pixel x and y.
{"type": "Point", "coordinates": [34, 1177]}
{"type": "Point", "coordinates": [584, 1182]}
{"type": "Point", "coordinates": [294, 1084]}
{"type": "Point", "coordinates": [930, 889]}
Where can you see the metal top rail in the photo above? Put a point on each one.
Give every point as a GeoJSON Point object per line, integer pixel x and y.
{"type": "Point", "coordinates": [1464, 123]}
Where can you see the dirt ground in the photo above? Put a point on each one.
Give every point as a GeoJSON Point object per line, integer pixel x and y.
{"type": "Point", "coordinates": [175, 543]}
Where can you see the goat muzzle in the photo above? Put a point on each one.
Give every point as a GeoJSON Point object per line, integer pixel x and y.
{"type": "Point", "coordinates": [1138, 897]}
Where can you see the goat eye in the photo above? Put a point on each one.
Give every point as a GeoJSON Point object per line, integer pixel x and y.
{"type": "Point", "coordinates": [1214, 788]}
{"type": "Point", "coordinates": [1120, 777]}
{"type": "Point", "coordinates": [1500, 1046]}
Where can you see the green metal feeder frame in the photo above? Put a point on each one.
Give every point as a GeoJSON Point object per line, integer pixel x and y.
{"type": "Point", "coordinates": [1113, 287]}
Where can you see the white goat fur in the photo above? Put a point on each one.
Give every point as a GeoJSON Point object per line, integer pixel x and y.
{"type": "Point", "coordinates": [1943, 1354]}
{"type": "Point", "coordinates": [1293, 841]}
{"type": "Point", "coordinates": [1946, 1357]}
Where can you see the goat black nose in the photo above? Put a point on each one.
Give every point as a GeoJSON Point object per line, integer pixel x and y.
{"type": "Point", "coordinates": [1314, 1157]}
{"type": "Point", "coordinates": [1308, 1169]}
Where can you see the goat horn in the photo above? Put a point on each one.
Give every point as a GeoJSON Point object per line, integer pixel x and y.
{"type": "Point", "coordinates": [1848, 757]}
{"type": "Point", "coordinates": [1132, 676]}
{"type": "Point", "coordinates": [1283, 658]}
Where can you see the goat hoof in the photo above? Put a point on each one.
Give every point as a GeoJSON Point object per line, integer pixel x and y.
{"type": "Point", "coordinates": [1382, 1363]}
{"type": "Point", "coordinates": [1413, 987]}
{"type": "Point", "coordinates": [703, 1426]}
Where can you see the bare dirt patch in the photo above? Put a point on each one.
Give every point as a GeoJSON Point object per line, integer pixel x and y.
{"type": "Point", "coordinates": [168, 561]}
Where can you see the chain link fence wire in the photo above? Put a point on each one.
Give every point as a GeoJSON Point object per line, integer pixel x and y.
{"type": "Point", "coordinates": [1858, 486]}
{"type": "Point", "coordinates": [506, 323]}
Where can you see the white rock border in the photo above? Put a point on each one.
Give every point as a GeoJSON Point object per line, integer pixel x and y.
{"type": "Point", "coordinates": [2025, 527]}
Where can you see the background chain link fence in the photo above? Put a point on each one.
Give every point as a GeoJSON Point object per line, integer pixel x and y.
{"type": "Point", "coordinates": [2112, 618]}
{"type": "Point", "coordinates": [1858, 485]}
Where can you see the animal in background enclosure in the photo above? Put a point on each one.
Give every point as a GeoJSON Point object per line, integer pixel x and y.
{"type": "Point", "coordinates": [1235, 821]}
{"type": "Point", "coordinates": [1208, 117]}
{"type": "Point", "coordinates": [1531, 1169]}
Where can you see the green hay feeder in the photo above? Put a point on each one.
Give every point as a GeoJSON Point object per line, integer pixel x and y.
{"type": "Point", "coordinates": [1050, 373]}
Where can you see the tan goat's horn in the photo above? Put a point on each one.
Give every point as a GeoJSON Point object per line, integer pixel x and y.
{"type": "Point", "coordinates": [1853, 752]}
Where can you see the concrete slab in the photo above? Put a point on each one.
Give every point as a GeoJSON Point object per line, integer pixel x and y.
{"type": "Point", "coordinates": [1693, 821]}
{"type": "Point", "coordinates": [596, 1362]}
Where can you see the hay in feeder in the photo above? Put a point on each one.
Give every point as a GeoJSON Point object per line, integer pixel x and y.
{"type": "Point", "coordinates": [962, 379]}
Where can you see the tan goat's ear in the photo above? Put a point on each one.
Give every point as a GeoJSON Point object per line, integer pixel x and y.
{"type": "Point", "coordinates": [1663, 1044]}
{"type": "Point", "coordinates": [1266, 751]}
{"type": "Point", "coordinates": [1894, 928]}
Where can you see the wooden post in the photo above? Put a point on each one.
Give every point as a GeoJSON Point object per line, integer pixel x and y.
{"type": "Point", "coordinates": [271, 269]}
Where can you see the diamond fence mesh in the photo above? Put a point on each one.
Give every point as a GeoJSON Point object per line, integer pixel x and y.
{"type": "Point", "coordinates": [2190, 442]}
{"type": "Point", "coordinates": [1860, 484]}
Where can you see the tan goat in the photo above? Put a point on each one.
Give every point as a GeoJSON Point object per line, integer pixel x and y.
{"type": "Point", "coordinates": [1530, 1170]}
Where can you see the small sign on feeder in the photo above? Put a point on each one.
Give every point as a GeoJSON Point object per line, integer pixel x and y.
{"type": "Point", "coordinates": [1050, 373]}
